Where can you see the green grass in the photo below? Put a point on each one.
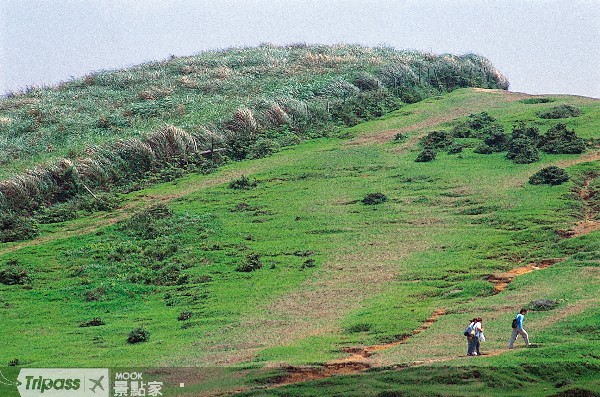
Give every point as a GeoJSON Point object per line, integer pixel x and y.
{"type": "Point", "coordinates": [377, 271]}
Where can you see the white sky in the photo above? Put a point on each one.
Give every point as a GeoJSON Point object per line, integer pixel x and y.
{"type": "Point", "coordinates": [543, 46]}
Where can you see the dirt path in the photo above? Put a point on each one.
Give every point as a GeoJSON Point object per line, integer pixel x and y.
{"type": "Point", "coordinates": [433, 120]}
{"type": "Point", "coordinates": [358, 359]}
{"type": "Point", "coordinates": [589, 221]}
{"type": "Point", "coordinates": [501, 280]}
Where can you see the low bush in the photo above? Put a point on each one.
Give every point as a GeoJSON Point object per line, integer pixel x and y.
{"type": "Point", "coordinates": [250, 264]}
{"type": "Point", "coordinates": [560, 140]}
{"type": "Point", "coordinates": [185, 315]}
{"type": "Point", "coordinates": [522, 151]}
{"type": "Point", "coordinates": [361, 327]}
{"type": "Point", "coordinates": [437, 140]}
{"type": "Point", "coordinates": [542, 305]}
{"type": "Point", "coordinates": [495, 138]}
{"type": "Point", "coordinates": [14, 274]}
{"type": "Point", "coordinates": [96, 294]}
{"type": "Point", "coordinates": [561, 112]}
{"type": "Point", "coordinates": [399, 138]}
{"type": "Point", "coordinates": [138, 335]}
{"type": "Point", "coordinates": [455, 148]}
{"type": "Point", "coordinates": [374, 198]}
{"type": "Point", "coordinates": [549, 176]}
{"type": "Point", "coordinates": [479, 121]}
{"type": "Point", "coordinates": [482, 148]}
{"type": "Point", "coordinates": [533, 101]}
{"type": "Point", "coordinates": [426, 156]}
{"type": "Point", "coordinates": [149, 223]}
{"type": "Point", "coordinates": [94, 322]}
{"type": "Point", "coordinates": [242, 183]}
{"type": "Point", "coordinates": [16, 227]}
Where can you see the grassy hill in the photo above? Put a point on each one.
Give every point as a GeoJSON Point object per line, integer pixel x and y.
{"type": "Point", "coordinates": [270, 272]}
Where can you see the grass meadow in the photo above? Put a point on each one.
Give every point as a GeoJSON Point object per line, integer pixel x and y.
{"type": "Point", "coordinates": [297, 268]}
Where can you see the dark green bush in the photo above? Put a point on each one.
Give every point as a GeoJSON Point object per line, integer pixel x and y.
{"type": "Point", "coordinates": [549, 176]}
{"type": "Point", "coordinates": [250, 264]}
{"type": "Point", "coordinates": [480, 120]}
{"type": "Point", "coordinates": [16, 227]}
{"type": "Point", "coordinates": [94, 322]}
{"type": "Point", "coordinates": [185, 315]}
{"type": "Point", "coordinates": [495, 138]}
{"type": "Point", "coordinates": [437, 140]}
{"type": "Point", "coordinates": [242, 183]}
{"type": "Point", "coordinates": [138, 335]}
{"type": "Point", "coordinates": [455, 148]}
{"type": "Point", "coordinates": [531, 133]}
{"type": "Point", "coordinates": [14, 274]}
{"type": "Point", "coordinates": [399, 138]}
{"type": "Point", "coordinates": [461, 130]}
{"type": "Point", "coordinates": [426, 156]}
{"type": "Point", "coordinates": [560, 140]}
{"type": "Point", "coordinates": [356, 328]}
{"type": "Point", "coordinates": [374, 198]}
{"type": "Point", "coordinates": [561, 112]}
{"type": "Point", "coordinates": [532, 101]}
{"type": "Point", "coordinates": [263, 147]}
{"type": "Point", "coordinates": [367, 82]}
{"type": "Point", "coordinates": [482, 148]}
{"type": "Point", "coordinates": [522, 150]}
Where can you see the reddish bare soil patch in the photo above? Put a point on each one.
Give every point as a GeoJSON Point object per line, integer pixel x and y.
{"type": "Point", "coordinates": [501, 280]}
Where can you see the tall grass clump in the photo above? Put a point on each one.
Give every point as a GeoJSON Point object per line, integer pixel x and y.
{"type": "Point", "coordinates": [191, 113]}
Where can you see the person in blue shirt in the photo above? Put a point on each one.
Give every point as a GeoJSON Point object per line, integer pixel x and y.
{"type": "Point", "coordinates": [518, 330]}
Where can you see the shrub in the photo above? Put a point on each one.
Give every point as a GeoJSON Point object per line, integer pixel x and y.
{"type": "Point", "coordinates": [455, 148]}
{"type": "Point", "coordinates": [542, 305]}
{"type": "Point", "coordinates": [356, 328]}
{"type": "Point", "coordinates": [185, 315]}
{"type": "Point", "coordinates": [461, 130]}
{"type": "Point", "coordinates": [14, 274]}
{"type": "Point", "coordinates": [263, 147]}
{"type": "Point", "coordinates": [522, 131]}
{"type": "Point", "coordinates": [309, 263]}
{"type": "Point", "coordinates": [480, 120]}
{"type": "Point", "coordinates": [560, 140]}
{"type": "Point", "coordinates": [242, 183]}
{"type": "Point", "coordinates": [522, 151]}
{"type": "Point", "coordinates": [426, 156]}
{"type": "Point", "coordinates": [482, 148]}
{"type": "Point", "coordinates": [399, 138]}
{"type": "Point", "coordinates": [367, 82]}
{"type": "Point", "coordinates": [495, 138]}
{"type": "Point", "coordinates": [149, 223]}
{"type": "Point", "coordinates": [96, 294]}
{"type": "Point", "coordinates": [94, 322]}
{"type": "Point", "coordinates": [549, 176]}
{"type": "Point", "coordinates": [138, 335]}
{"type": "Point", "coordinates": [561, 112]}
{"type": "Point", "coordinates": [251, 263]}
{"type": "Point", "coordinates": [16, 228]}
{"type": "Point", "coordinates": [532, 101]}
{"type": "Point", "coordinates": [374, 198]}
{"type": "Point", "coordinates": [437, 140]}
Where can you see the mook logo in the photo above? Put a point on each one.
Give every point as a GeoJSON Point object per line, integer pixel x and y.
{"type": "Point", "coordinates": [63, 382]}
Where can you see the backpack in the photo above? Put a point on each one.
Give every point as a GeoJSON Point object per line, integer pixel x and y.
{"type": "Point", "coordinates": [514, 323]}
{"type": "Point", "coordinates": [469, 330]}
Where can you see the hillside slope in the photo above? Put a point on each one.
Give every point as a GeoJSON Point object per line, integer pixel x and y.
{"type": "Point", "coordinates": [296, 270]}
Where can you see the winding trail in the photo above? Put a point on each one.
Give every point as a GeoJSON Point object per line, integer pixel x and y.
{"type": "Point", "coordinates": [589, 221]}
{"type": "Point", "coordinates": [358, 359]}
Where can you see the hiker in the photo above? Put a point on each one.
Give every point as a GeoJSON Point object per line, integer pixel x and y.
{"type": "Point", "coordinates": [478, 335]}
{"type": "Point", "coordinates": [470, 334]}
{"type": "Point", "coordinates": [517, 326]}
